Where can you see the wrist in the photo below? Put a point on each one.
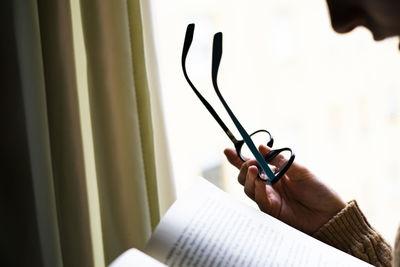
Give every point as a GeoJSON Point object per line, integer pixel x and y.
{"type": "Point", "coordinates": [345, 228]}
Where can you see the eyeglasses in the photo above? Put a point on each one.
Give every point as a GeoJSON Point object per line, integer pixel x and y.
{"type": "Point", "coordinates": [280, 159]}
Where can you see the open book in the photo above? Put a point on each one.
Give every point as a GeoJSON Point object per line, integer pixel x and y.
{"type": "Point", "coordinates": [208, 227]}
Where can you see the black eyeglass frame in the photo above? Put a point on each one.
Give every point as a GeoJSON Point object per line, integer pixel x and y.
{"type": "Point", "coordinates": [217, 54]}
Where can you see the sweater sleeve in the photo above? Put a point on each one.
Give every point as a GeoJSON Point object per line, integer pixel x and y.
{"type": "Point", "coordinates": [350, 232]}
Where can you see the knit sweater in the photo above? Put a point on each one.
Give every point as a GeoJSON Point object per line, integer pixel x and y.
{"type": "Point", "coordinates": [350, 232]}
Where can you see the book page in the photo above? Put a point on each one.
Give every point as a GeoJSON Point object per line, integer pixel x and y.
{"type": "Point", "coordinates": [207, 227]}
{"type": "Point", "coordinates": [134, 257]}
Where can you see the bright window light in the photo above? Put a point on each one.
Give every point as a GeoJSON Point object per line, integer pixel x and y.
{"type": "Point", "coordinates": [334, 99]}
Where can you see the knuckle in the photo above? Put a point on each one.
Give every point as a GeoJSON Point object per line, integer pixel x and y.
{"type": "Point", "coordinates": [244, 167]}
{"type": "Point", "coordinates": [248, 192]}
{"type": "Point", "coordinates": [247, 164]}
{"type": "Point", "coordinates": [241, 179]}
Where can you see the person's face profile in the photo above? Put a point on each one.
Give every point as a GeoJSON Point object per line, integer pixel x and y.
{"type": "Point", "coordinates": [381, 17]}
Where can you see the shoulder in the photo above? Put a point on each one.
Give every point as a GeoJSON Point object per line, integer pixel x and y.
{"type": "Point", "coordinates": [396, 252]}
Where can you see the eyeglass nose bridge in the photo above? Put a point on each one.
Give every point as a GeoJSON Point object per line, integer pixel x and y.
{"type": "Point", "coordinates": [271, 139]}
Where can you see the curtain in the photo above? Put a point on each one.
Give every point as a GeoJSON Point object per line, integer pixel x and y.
{"type": "Point", "coordinates": [89, 125]}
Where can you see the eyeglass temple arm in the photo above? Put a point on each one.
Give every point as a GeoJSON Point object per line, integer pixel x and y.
{"type": "Point", "coordinates": [216, 59]}
{"type": "Point", "coordinates": [186, 46]}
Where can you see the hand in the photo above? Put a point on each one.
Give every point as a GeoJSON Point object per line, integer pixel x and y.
{"type": "Point", "coordinates": [298, 199]}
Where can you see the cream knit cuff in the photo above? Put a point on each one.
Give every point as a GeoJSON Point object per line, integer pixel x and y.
{"type": "Point", "coordinates": [346, 229]}
{"type": "Point", "coordinates": [350, 232]}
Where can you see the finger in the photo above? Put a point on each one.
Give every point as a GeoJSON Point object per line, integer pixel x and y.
{"type": "Point", "coordinates": [242, 174]}
{"type": "Point", "coordinates": [233, 158]}
{"type": "Point", "coordinates": [250, 179]}
{"type": "Point", "coordinates": [243, 171]}
{"type": "Point", "coordinates": [264, 150]}
{"type": "Point", "coordinates": [261, 197]}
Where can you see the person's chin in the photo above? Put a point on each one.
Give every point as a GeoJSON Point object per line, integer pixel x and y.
{"type": "Point", "coordinates": [379, 36]}
{"type": "Point", "coordinates": [399, 41]}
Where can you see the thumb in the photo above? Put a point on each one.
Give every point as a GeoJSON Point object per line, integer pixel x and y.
{"type": "Point", "coordinates": [279, 160]}
{"type": "Point", "coordinates": [296, 170]}
{"type": "Point", "coordinates": [276, 160]}
{"type": "Point", "coordinates": [264, 150]}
